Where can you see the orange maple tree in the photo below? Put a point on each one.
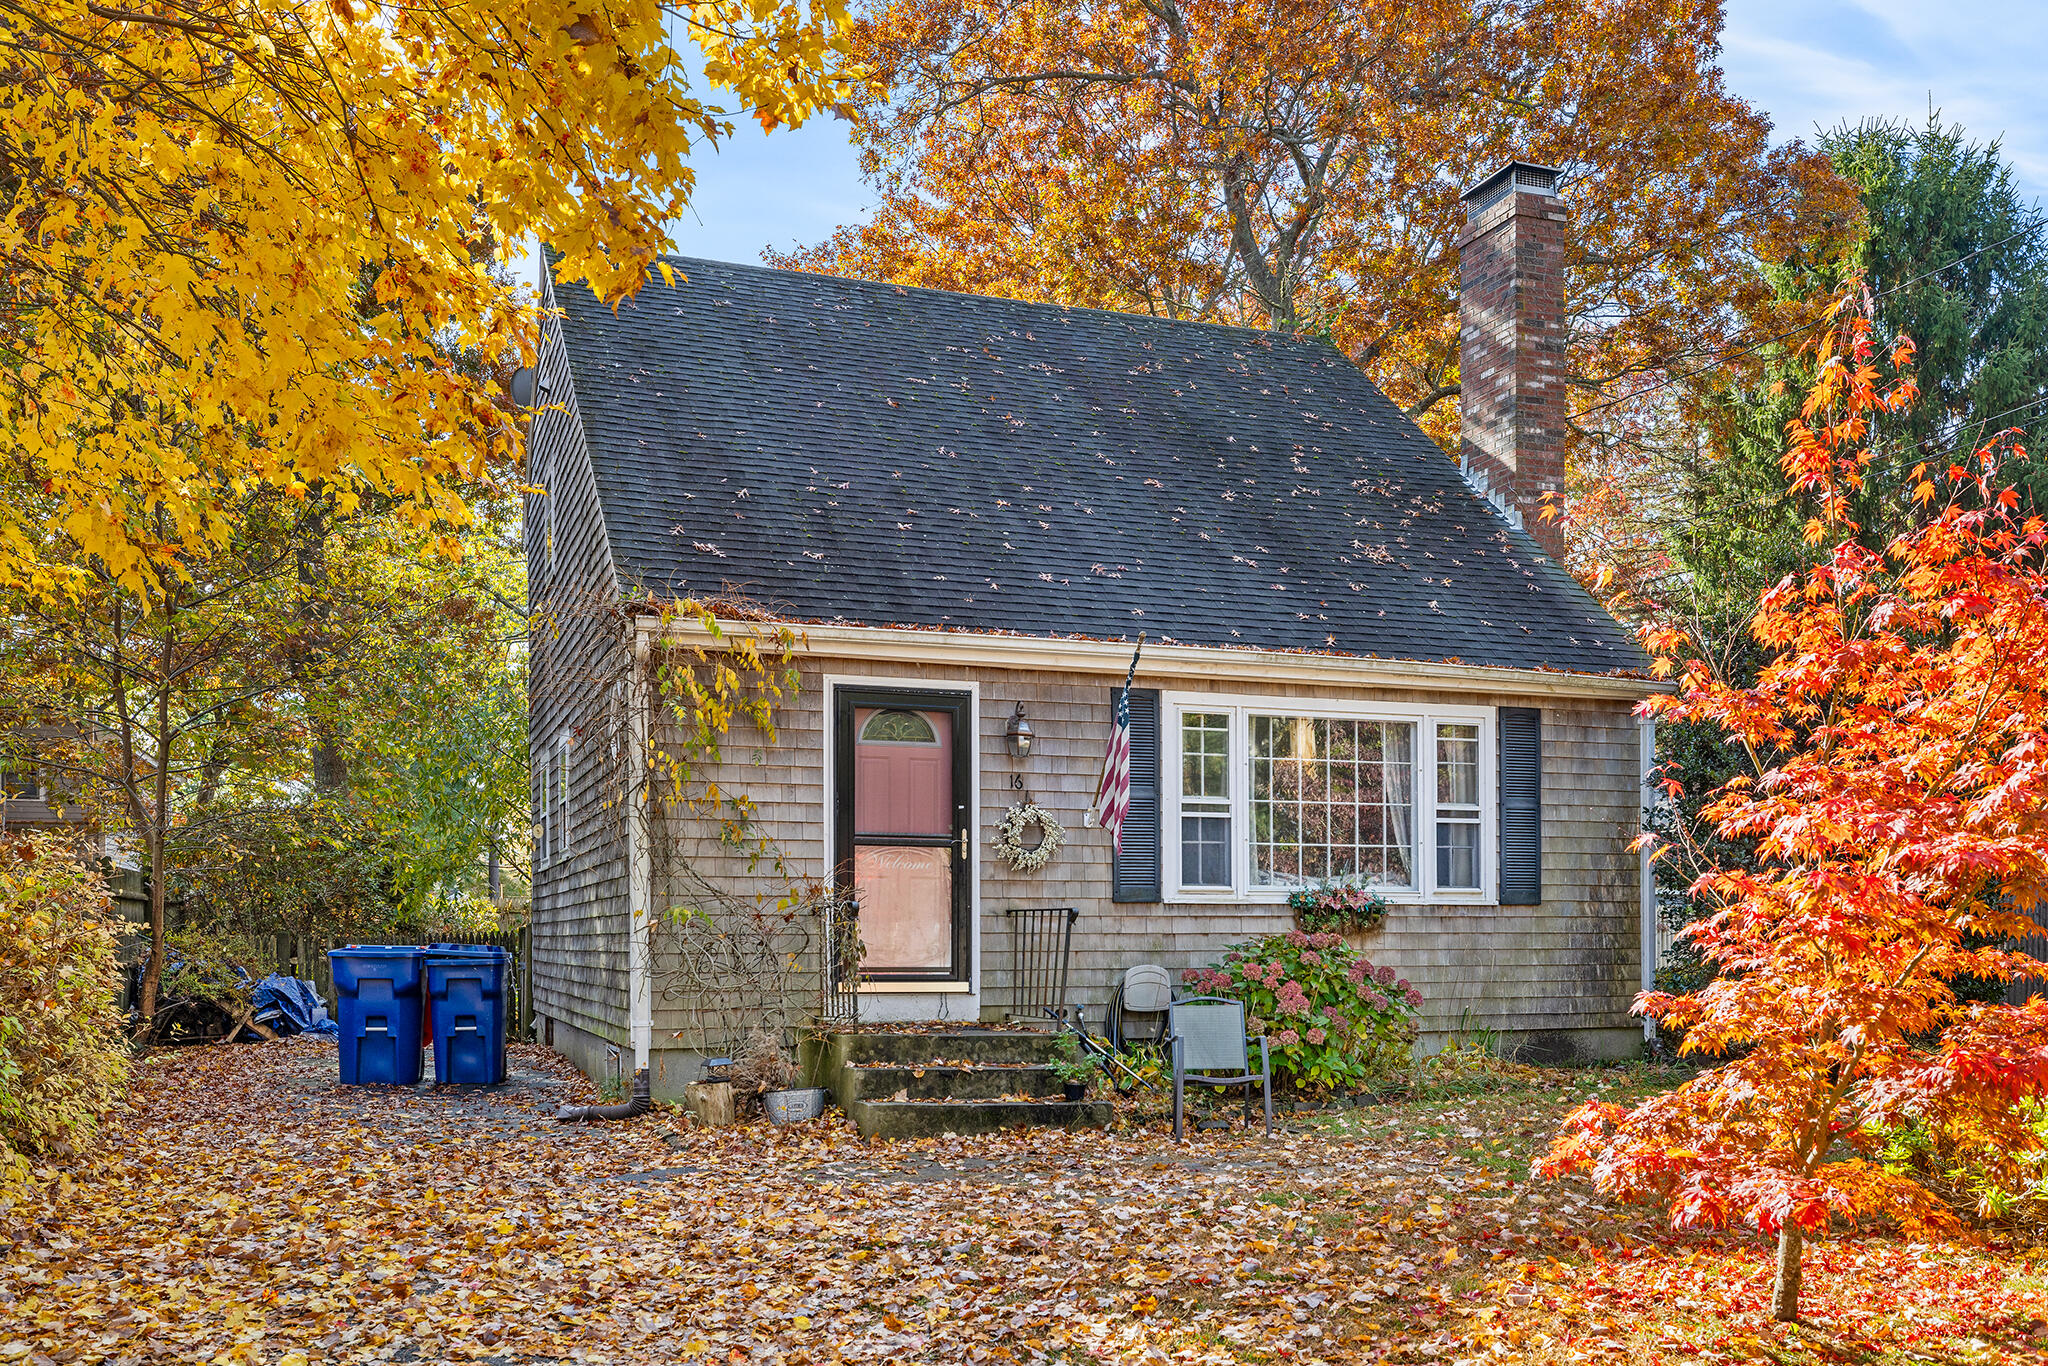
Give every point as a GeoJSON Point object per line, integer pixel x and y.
{"type": "Point", "coordinates": [1898, 737]}
{"type": "Point", "coordinates": [1300, 167]}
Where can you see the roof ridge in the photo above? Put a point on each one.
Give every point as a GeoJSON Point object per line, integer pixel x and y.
{"type": "Point", "coordinates": [1264, 333]}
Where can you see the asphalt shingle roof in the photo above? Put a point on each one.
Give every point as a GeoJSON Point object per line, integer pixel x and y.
{"type": "Point", "coordinates": [845, 451]}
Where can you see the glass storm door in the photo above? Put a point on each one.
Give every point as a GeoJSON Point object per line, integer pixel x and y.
{"type": "Point", "coordinates": [901, 773]}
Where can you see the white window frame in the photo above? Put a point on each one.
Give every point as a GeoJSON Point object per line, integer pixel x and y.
{"type": "Point", "coordinates": [543, 824]}
{"type": "Point", "coordinates": [558, 773]}
{"type": "Point", "coordinates": [1239, 707]}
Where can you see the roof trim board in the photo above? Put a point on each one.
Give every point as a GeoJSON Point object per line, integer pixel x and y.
{"type": "Point", "coordinates": [1184, 663]}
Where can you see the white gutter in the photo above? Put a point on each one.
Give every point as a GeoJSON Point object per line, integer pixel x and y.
{"type": "Point", "coordinates": [1646, 744]}
{"type": "Point", "coordinates": [639, 858]}
{"type": "Point", "coordinates": [1161, 662]}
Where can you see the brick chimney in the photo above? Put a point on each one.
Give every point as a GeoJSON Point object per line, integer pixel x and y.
{"type": "Point", "coordinates": [1511, 345]}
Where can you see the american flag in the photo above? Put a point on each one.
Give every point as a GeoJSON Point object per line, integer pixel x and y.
{"type": "Point", "coordinates": [1113, 791]}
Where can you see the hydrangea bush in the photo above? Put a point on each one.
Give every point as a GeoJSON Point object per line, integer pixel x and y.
{"type": "Point", "coordinates": [1337, 1023]}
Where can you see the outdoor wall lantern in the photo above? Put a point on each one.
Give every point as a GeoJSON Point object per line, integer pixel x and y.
{"type": "Point", "coordinates": [1019, 734]}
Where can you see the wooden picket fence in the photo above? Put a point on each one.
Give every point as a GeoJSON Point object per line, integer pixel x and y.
{"type": "Point", "coordinates": [2035, 945]}
{"type": "Point", "coordinates": [306, 957]}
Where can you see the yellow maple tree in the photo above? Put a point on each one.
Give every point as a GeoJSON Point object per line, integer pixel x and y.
{"type": "Point", "coordinates": [261, 243]}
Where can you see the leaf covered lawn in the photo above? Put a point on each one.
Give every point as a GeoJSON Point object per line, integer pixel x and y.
{"type": "Point", "coordinates": [246, 1209]}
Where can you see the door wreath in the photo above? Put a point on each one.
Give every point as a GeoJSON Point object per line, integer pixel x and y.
{"type": "Point", "coordinates": [1009, 843]}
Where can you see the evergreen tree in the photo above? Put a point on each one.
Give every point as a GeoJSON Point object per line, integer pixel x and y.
{"type": "Point", "coordinates": [1951, 257]}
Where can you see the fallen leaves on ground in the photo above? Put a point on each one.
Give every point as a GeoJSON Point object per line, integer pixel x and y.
{"type": "Point", "coordinates": [247, 1209]}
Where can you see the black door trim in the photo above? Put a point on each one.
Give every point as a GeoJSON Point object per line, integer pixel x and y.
{"type": "Point", "coordinates": [960, 707]}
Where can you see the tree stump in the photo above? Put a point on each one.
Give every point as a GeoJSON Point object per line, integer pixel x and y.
{"type": "Point", "coordinates": [710, 1102]}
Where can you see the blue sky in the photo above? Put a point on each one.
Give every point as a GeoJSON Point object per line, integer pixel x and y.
{"type": "Point", "coordinates": [1805, 62]}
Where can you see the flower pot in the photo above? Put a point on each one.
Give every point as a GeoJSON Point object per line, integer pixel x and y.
{"type": "Point", "coordinates": [1074, 1090]}
{"type": "Point", "coordinates": [795, 1106]}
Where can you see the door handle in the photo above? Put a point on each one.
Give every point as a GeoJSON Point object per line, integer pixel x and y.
{"type": "Point", "coordinates": [963, 844]}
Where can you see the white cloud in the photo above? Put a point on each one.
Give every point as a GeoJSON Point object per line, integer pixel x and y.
{"type": "Point", "coordinates": [1815, 63]}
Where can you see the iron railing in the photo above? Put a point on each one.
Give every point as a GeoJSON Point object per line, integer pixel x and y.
{"type": "Point", "coordinates": [1041, 940]}
{"type": "Point", "coordinates": [839, 1002]}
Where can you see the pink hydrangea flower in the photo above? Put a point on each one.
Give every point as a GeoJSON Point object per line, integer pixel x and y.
{"type": "Point", "coordinates": [1312, 958]}
{"type": "Point", "coordinates": [1288, 1037]}
{"type": "Point", "coordinates": [1359, 972]}
{"type": "Point", "coordinates": [1316, 1036]}
{"type": "Point", "coordinates": [1291, 999]}
{"type": "Point", "coordinates": [1375, 1001]}
{"type": "Point", "coordinates": [1384, 976]}
{"type": "Point", "coordinates": [1414, 997]}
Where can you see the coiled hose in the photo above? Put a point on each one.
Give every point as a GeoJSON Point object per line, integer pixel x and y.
{"type": "Point", "coordinates": [640, 1104]}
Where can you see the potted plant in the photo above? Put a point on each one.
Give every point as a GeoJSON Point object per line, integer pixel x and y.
{"type": "Point", "coordinates": [1347, 905]}
{"type": "Point", "coordinates": [1074, 1068]}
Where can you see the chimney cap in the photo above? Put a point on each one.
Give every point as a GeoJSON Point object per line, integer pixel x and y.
{"type": "Point", "coordinates": [1521, 175]}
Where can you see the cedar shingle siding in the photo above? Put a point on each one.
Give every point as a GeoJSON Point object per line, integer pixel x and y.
{"type": "Point", "coordinates": [579, 898]}
{"type": "Point", "coordinates": [1568, 963]}
{"type": "Point", "coordinates": [856, 454]}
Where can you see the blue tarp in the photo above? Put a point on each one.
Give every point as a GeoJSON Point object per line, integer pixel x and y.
{"type": "Point", "coordinates": [291, 1005]}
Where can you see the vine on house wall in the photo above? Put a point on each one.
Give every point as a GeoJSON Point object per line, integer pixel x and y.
{"type": "Point", "coordinates": [740, 937]}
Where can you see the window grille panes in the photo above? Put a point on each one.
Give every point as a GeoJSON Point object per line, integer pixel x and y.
{"type": "Point", "coordinates": [898, 728]}
{"type": "Point", "coordinates": [1457, 807]}
{"type": "Point", "coordinates": [1332, 798]}
{"type": "Point", "coordinates": [1205, 799]}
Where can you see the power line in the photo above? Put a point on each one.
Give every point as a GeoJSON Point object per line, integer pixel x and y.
{"type": "Point", "coordinates": [1723, 359]}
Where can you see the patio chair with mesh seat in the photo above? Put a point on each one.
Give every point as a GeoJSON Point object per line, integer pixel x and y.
{"type": "Point", "coordinates": [1206, 1035]}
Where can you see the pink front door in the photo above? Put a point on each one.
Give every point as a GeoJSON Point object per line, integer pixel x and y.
{"type": "Point", "coordinates": [902, 830]}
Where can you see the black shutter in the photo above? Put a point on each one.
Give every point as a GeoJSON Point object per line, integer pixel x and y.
{"type": "Point", "coordinates": [1134, 874]}
{"type": "Point", "coordinates": [1521, 806]}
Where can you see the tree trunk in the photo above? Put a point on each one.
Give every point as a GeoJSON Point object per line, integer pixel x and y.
{"type": "Point", "coordinates": [312, 661]}
{"type": "Point", "coordinates": [1785, 1295]}
{"type": "Point", "coordinates": [154, 973]}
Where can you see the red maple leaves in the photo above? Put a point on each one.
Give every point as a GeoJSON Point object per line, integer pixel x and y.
{"type": "Point", "coordinates": [1898, 805]}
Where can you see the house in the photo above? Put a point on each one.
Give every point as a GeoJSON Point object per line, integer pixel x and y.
{"type": "Point", "coordinates": [28, 803]}
{"type": "Point", "coordinates": [1358, 659]}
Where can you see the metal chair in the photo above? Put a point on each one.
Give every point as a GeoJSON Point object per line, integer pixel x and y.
{"type": "Point", "coordinates": [1206, 1034]}
{"type": "Point", "coordinates": [1145, 991]}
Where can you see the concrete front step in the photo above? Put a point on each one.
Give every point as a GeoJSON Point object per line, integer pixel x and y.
{"type": "Point", "coordinates": [929, 1119]}
{"type": "Point", "coordinates": [931, 1081]}
{"type": "Point", "coordinates": [961, 1045]}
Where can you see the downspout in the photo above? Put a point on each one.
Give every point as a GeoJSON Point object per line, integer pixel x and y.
{"type": "Point", "coordinates": [1646, 746]}
{"type": "Point", "coordinates": [640, 858]}
{"type": "Point", "coordinates": [640, 1104]}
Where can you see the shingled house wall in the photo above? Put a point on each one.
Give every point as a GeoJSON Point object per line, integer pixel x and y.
{"type": "Point", "coordinates": [1557, 976]}
{"type": "Point", "coordinates": [577, 645]}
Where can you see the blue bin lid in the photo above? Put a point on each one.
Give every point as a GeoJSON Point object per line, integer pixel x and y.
{"type": "Point", "coordinates": [378, 949]}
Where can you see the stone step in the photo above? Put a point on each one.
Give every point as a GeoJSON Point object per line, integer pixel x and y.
{"type": "Point", "coordinates": [929, 1119]}
{"type": "Point", "coordinates": [933, 1082]}
{"type": "Point", "coordinates": [963, 1045]}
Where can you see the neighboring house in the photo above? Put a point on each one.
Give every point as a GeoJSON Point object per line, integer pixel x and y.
{"type": "Point", "coordinates": [29, 804]}
{"type": "Point", "coordinates": [1356, 660]}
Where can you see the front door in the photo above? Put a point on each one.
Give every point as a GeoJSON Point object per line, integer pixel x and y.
{"type": "Point", "coordinates": [901, 769]}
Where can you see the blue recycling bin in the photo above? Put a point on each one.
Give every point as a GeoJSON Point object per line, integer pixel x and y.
{"type": "Point", "coordinates": [377, 998]}
{"type": "Point", "coordinates": [466, 990]}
